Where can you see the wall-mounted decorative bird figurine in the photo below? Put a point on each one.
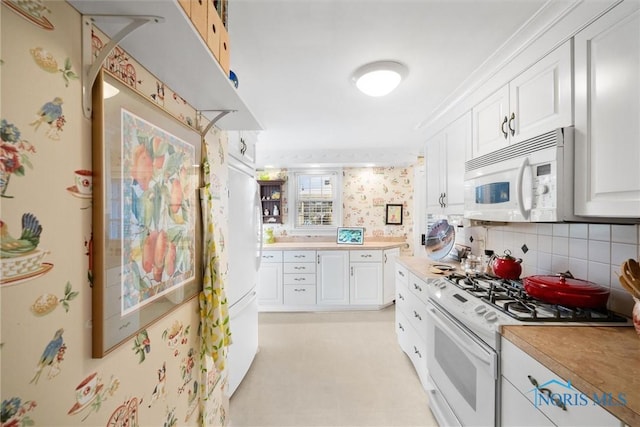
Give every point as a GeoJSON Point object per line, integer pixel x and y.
{"type": "Point", "coordinates": [49, 354]}
{"type": "Point", "coordinates": [28, 241]}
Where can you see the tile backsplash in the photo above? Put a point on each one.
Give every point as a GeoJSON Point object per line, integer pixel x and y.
{"type": "Point", "coordinates": [592, 252]}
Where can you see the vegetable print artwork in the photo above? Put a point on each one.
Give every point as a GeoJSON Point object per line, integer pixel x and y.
{"type": "Point", "coordinates": [158, 218]}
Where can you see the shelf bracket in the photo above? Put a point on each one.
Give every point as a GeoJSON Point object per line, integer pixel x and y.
{"type": "Point", "coordinates": [221, 114]}
{"type": "Point", "coordinates": [90, 67]}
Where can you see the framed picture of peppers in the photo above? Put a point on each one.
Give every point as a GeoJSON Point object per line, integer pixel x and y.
{"type": "Point", "coordinates": [146, 214]}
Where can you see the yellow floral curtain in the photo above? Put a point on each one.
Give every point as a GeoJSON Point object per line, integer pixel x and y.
{"type": "Point", "coordinates": [214, 313]}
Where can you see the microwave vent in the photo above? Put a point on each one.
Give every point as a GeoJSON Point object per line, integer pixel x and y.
{"type": "Point", "coordinates": [538, 143]}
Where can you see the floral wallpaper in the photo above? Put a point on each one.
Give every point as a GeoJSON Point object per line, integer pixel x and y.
{"type": "Point", "coordinates": [48, 377]}
{"type": "Point", "coordinates": [365, 194]}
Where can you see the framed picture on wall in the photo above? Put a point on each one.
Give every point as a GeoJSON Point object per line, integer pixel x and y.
{"type": "Point", "coordinates": [393, 215]}
{"type": "Point", "coordinates": [146, 255]}
{"type": "Point", "coordinates": [350, 235]}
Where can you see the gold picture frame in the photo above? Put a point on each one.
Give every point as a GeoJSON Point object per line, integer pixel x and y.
{"type": "Point", "coordinates": [146, 257]}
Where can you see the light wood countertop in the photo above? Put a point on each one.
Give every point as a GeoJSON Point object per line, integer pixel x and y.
{"type": "Point", "coordinates": [420, 266]}
{"type": "Point", "coordinates": [284, 246]}
{"type": "Point", "coordinates": [595, 359]}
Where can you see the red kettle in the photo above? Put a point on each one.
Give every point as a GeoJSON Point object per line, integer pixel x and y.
{"type": "Point", "coordinates": [507, 266]}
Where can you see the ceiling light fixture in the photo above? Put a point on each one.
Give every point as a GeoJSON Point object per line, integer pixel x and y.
{"type": "Point", "coordinates": [109, 91]}
{"type": "Point", "coordinates": [379, 78]}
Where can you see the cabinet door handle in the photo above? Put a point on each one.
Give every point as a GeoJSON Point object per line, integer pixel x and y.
{"type": "Point", "coordinates": [401, 273]}
{"type": "Point", "coordinates": [416, 351]}
{"type": "Point", "coordinates": [557, 401]}
{"type": "Point", "coordinates": [318, 259]}
{"type": "Point", "coordinates": [400, 297]}
{"type": "Point", "coordinates": [504, 132]}
{"type": "Point", "coordinates": [352, 271]}
{"type": "Point", "coordinates": [416, 315]}
{"type": "Point", "coordinates": [512, 120]}
{"type": "Point", "coordinates": [299, 290]}
{"type": "Point", "coordinates": [385, 258]}
{"type": "Point", "coordinates": [243, 146]}
{"type": "Point", "coordinates": [417, 288]}
{"type": "Point", "coordinates": [400, 326]}
{"type": "Point", "coordinates": [444, 198]}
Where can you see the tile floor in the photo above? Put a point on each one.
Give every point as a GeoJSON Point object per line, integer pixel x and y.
{"type": "Point", "coordinates": [330, 369]}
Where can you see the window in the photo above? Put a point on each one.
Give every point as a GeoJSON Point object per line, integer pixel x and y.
{"type": "Point", "coordinates": [316, 199]}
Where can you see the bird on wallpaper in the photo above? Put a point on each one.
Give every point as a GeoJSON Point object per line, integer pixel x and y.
{"type": "Point", "coordinates": [10, 247]}
{"type": "Point", "coordinates": [49, 354]}
{"type": "Point", "coordinates": [48, 113]}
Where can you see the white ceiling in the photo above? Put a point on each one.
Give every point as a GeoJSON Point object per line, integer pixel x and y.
{"type": "Point", "coordinates": [294, 59]}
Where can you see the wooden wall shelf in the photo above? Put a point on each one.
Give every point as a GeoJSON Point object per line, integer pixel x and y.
{"type": "Point", "coordinates": [271, 195]}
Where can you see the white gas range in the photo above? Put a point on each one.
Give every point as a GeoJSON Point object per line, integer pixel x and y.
{"type": "Point", "coordinates": [465, 314]}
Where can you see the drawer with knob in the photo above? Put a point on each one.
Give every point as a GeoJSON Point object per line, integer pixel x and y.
{"type": "Point", "coordinates": [299, 295]}
{"type": "Point", "coordinates": [271, 256]}
{"type": "Point", "coordinates": [365, 256]}
{"type": "Point", "coordinates": [299, 256]}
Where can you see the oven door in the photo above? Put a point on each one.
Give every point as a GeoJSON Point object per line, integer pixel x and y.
{"type": "Point", "coordinates": [463, 369]}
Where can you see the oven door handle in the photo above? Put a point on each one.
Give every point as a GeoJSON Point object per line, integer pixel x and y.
{"type": "Point", "coordinates": [472, 348]}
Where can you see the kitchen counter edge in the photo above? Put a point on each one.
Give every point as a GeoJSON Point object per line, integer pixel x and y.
{"type": "Point", "coordinates": [284, 246]}
{"type": "Point", "coordinates": [420, 266]}
{"type": "Point", "coordinates": [596, 359]}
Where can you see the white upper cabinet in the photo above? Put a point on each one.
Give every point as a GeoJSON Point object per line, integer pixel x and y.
{"type": "Point", "coordinates": [536, 101]}
{"type": "Point", "coordinates": [445, 155]}
{"type": "Point", "coordinates": [242, 146]}
{"type": "Point", "coordinates": [490, 123]}
{"type": "Point", "coordinates": [607, 103]}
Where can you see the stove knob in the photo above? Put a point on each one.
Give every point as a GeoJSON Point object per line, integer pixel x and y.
{"type": "Point", "coordinates": [480, 309]}
{"type": "Point", "coordinates": [491, 316]}
{"type": "Point", "coordinates": [442, 285]}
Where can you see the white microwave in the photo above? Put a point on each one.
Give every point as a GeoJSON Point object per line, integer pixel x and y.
{"type": "Point", "coordinates": [531, 181]}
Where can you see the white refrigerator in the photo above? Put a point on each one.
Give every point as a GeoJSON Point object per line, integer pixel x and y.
{"type": "Point", "coordinates": [245, 247]}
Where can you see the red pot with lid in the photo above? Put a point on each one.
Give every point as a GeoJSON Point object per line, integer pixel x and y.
{"type": "Point", "coordinates": [507, 267]}
{"type": "Point", "coordinates": [564, 289]}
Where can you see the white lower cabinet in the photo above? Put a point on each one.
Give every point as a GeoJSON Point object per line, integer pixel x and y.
{"type": "Point", "coordinates": [410, 323]}
{"type": "Point", "coordinates": [294, 280]}
{"type": "Point", "coordinates": [365, 277]}
{"type": "Point", "coordinates": [365, 283]}
{"type": "Point", "coordinates": [295, 295]}
{"type": "Point", "coordinates": [299, 278]}
{"type": "Point", "coordinates": [332, 277]}
{"type": "Point", "coordinates": [388, 273]}
{"type": "Point", "coordinates": [516, 410]}
{"type": "Point", "coordinates": [270, 279]}
{"type": "Point", "coordinates": [418, 287]}
{"type": "Point", "coordinates": [532, 395]}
